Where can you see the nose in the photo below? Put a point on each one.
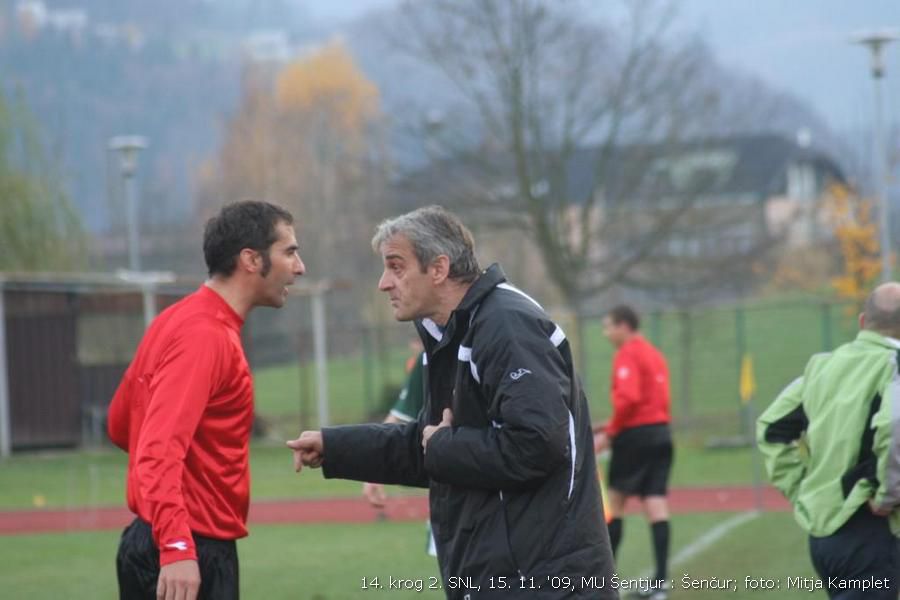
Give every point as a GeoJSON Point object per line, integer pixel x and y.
{"type": "Point", "coordinates": [384, 284]}
{"type": "Point", "coordinates": [299, 268]}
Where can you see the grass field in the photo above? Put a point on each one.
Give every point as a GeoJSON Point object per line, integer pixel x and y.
{"type": "Point", "coordinates": [328, 562]}
{"type": "Point", "coordinates": [75, 479]}
{"type": "Point", "coordinates": [281, 390]}
{"type": "Point", "coordinates": [780, 336]}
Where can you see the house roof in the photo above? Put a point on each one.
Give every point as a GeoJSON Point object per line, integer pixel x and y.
{"type": "Point", "coordinates": [756, 164]}
{"type": "Point", "coordinates": [747, 164]}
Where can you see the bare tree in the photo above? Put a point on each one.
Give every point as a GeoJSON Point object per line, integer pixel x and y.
{"type": "Point", "coordinates": [712, 253]}
{"type": "Point", "coordinates": [552, 89]}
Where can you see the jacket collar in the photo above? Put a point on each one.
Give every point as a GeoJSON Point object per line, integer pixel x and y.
{"type": "Point", "coordinates": [876, 338]}
{"type": "Point", "coordinates": [486, 282]}
{"type": "Point", "coordinates": [480, 288]}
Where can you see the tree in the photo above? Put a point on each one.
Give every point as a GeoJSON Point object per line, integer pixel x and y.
{"type": "Point", "coordinates": [546, 88]}
{"type": "Point", "coordinates": [857, 237]}
{"type": "Point", "coordinates": [307, 137]}
{"type": "Point", "coordinates": [39, 231]}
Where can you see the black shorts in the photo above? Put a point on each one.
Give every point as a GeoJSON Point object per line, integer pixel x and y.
{"type": "Point", "coordinates": [641, 461]}
{"type": "Point", "coordinates": [137, 565]}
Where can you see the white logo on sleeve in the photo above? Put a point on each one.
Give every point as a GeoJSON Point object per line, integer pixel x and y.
{"type": "Point", "coordinates": [179, 545]}
{"type": "Point", "coordinates": [623, 373]}
{"type": "Point", "coordinates": [517, 375]}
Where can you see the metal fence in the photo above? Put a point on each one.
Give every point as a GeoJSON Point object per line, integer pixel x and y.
{"type": "Point", "coordinates": [707, 347]}
{"type": "Point", "coordinates": [65, 342]}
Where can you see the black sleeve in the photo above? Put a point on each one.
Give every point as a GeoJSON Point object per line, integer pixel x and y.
{"type": "Point", "coordinates": [377, 453]}
{"type": "Point", "coordinates": [526, 380]}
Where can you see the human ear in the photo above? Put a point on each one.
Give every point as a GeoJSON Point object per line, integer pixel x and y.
{"type": "Point", "coordinates": [439, 269]}
{"type": "Point", "coordinates": [250, 260]}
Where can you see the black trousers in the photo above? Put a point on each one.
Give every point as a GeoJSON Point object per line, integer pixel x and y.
{"type": "Point", "coordinates": [137, 565]}
{"type": "Point", "coordinates": [863, 548]}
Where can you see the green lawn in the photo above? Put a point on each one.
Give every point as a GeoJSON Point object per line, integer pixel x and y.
{"type": "Point", "coordinates": [277, 561]}
{"type": "Point", "coordinates": [771, 546]}
{"type": "Point", "coordinates": [284, 393]}
{"type": "Point", "coordinates": [320, 562]}
{"type": "Point", "coordinates": [780, 336]}
{"type": "Point", "coordinates": [329, 561]}
{"type": "Point", "coordinates": [74, 479]}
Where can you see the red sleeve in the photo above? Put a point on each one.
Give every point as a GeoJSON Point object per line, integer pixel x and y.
{"type": "Point", "coordinates": [626, 392]}
{"type": "Point", "coordinates": [118, 415]}
{"type": "Point", "coordinates": [188, 373]}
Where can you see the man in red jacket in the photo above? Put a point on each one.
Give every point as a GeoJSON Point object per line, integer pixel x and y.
{"type": "Point", "coordinates": [184, 411]}
{"type": "Point", "coordinates": [640, 436]}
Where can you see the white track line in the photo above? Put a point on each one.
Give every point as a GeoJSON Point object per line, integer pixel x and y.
{"type": "Point", "coordinates": [708, 539]}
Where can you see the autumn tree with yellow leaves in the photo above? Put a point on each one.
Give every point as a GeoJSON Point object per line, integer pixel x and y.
{"type": "Point", "coordinates": [857, 237]}
{"type": "Point", "coordinates": [307, 137]}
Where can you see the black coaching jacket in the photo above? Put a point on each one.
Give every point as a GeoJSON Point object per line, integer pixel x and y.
{"type": "Point", "coordinates": [515, 502]}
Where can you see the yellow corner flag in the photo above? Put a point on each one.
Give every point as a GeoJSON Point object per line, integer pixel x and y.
{"type": "Point", "coordinates": [748, 381]}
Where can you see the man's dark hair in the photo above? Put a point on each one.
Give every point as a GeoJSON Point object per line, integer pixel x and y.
{"type": "Point", "coordinates": [248, 224]}
{"type": "Point", "coordinates": [625, 314]}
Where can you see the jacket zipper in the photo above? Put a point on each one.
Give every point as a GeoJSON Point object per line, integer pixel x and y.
{"type": "Point", "coordinates": [509, 549]}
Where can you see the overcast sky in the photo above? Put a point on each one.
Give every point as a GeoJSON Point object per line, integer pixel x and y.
{"type": "Point", "coordinates": [800, 46]}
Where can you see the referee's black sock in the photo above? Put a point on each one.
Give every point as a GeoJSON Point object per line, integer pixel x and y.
{"type": "Point", "coordinates": [660, 530]}
{"type": "Point", "coordinates": [615, 534]}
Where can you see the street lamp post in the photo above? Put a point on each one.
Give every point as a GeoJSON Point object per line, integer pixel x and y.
{"type": "Point", "coordinates": [875, 42]}
{"type": "Point", "coordinates": [128, 147]}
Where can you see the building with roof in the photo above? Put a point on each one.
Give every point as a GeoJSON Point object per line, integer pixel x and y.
{"type": "Point", "coordinates": [725, 200]}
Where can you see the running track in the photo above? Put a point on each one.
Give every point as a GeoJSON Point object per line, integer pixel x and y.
{"type": "Point", "coordinates": [357, 510]}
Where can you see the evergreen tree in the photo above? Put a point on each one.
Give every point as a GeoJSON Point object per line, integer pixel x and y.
{"type": "Point", "coordinates": [40, 230]}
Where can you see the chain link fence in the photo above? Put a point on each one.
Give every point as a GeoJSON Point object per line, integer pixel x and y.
{"type": "Point", "coordinates": [65, 344]}
{"type": "Point", "coordinates": [706, 347]}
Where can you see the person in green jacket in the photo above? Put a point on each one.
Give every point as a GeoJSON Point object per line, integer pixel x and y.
{"type": "Point", "coordinates": [831, 442]}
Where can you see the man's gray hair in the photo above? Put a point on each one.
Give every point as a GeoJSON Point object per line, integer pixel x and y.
{"type": "Point", "coordinates": [433, 231]}
{"type": "Point", "coordinates": [882, 310]}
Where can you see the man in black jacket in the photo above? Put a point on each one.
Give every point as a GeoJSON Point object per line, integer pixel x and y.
{"type": "Point", "coordinates": [504, 442]}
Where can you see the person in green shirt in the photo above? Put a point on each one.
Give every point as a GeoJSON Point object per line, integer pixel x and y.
{"type": "Point", "coordinates": [405, 410]}
{"type": "Point", "coordinates": [831, 442]}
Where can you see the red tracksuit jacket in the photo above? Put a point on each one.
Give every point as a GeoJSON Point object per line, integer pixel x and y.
{"type": "Point", "coordinates": [640, 387]}
{"type": "Point", "coordinates": [184, 412]}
